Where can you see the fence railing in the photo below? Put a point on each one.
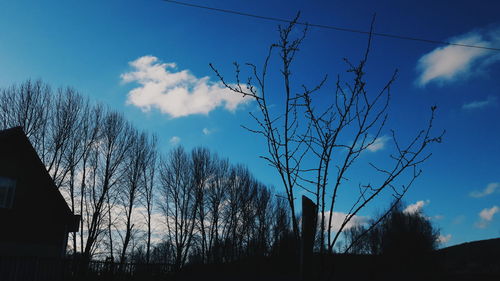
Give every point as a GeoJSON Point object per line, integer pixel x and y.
{"type": "Point", "coordinates": [53, 269]}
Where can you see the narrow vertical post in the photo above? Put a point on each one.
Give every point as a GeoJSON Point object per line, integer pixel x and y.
{"type": "Point", "coordinates": [309, 210]}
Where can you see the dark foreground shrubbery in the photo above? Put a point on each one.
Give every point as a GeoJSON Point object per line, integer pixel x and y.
{"type": "Point", "coordinates": [479, 261]}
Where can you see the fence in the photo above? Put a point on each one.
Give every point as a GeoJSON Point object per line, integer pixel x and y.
{"type": "Point", "coordinates": [45, 269]}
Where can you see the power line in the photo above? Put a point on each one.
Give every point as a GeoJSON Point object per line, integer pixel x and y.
{"type": "Point", "coordinates": [331, 27]}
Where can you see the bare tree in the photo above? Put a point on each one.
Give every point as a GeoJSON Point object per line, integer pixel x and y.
{"type": "Point", "coordinates": [178, 202]}
{"type": "Point", "coordinates": [202, 173]}
{"type": "Point", "coordinates": [149, 181]}
{"type": "Point", "coordinates": [281, 225]}
{"type": "Point", "coordinates": [63, 125]}
{"type": "Point", "coordinates": [112, 215]}
{"type": "Point", "coordinates": [111, 150]}
{"type": "Point", "coordinates": [89, 137]}
{"type": "Point", "coordinates": [78, 146]}
{"type": "Point", "coordinates": [135, 185]}
{"type": "Point", "coordinates": [27, 105]}
{"type": "Point", "coordinates": [231, 212]}
{"type": "Point", "coordinates": [216, 196]}
{"type": "Point", "coordinates": [130, 185]}
{"type": "Point", "coordinates": [330, 136]}
{"type": "Point", "coordinates": [262, 207]}
{"type": "Point", "coordinates": [285, 147]}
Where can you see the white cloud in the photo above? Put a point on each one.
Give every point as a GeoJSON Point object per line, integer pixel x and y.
{"type": "Point", "coordinates": [206, 131]}
{"type": "Point", "coordinates": [486, 216]}
{"type": "Point", "coordinates": [437, 217]}
{"type": "Point", "coordinates": [176, 93]}
{"type": "Point", "coordinates": [175, 140]}
{"type": "Point", "coordinates": [479, 104]}
{"type": "Point", "coordinates": [339, 217]}
{"type": "Point", "coordinates": [416, 207]}
{"type": "Point", "coordinates": [458, 219]}
{"type": "Point", "coordinates": [445, 64]}
{"type": "Point", "coordinates": [488, 190]}
{"type": "Point", "coordinates": [442, 239]}
{"type": "Point", "coordinates": [378, 144]}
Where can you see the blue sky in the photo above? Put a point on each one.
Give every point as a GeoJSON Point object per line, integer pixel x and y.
{"type": "Point", "coordinates": [112, 50]}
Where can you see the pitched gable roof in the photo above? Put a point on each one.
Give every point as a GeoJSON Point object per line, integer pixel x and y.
{"type": "Point", "coordinates": [16, 139]}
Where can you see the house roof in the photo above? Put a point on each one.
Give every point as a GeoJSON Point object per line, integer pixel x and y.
{"type": "Point", "coordinates": [20, 142]}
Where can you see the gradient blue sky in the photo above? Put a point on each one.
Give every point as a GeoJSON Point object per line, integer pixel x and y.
{"type": "Point", "coordinates": [89, 45]}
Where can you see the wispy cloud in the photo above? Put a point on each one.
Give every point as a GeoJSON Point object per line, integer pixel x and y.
{"type": "Point", "coordinates": [175, 140]}
{"type": "Point", "coordinates": [378, 144]}
{"type": "Point", "coordinates": [445, 64]}
{"type": "Point", "coordinates": [206, 131]}
{"type": "Point", "coordinates": [339, 217]}
{"type": "Point", "coordinates": [176, 93]}
{"type": "Point", "coordinates": [488, 190]}
{"type": "Point", "coordinates": [486, 216]}
{"type": "Point", "coordinates": [479, 103]}
{"type": "Point", "coordinates": [416, 207]}
{"type": "Point", "coordinates": [437, 217]}
{"type": "Point", "coordinates": [458, 219]}
{"type": "Point", "coordinates": [442, 239]}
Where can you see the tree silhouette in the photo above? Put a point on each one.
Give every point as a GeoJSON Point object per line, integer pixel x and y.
{"type": "Point", "coordinates": [403, 233]}
{"type": "Point", "coordinates": [331, 134]}
{"type": "Point", "coordinates": [399, 233]}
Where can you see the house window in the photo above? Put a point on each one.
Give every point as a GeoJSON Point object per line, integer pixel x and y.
{"type": "Point", "coordinates": [7, 188]}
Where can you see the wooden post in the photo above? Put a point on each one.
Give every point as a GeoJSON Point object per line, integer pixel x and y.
{"type": "Point", "coordinates": [309, 215]}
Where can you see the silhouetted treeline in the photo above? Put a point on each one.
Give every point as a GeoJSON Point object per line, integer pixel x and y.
{"type": "Point", "coordinates": [137, 204]}
{"type": "Point", "coordinates": [217, 212]}
{"type": "Point", "coordinates": [398, 233]}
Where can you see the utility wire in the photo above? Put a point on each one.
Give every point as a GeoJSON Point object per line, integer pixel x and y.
{"type": "Point", "coordinates": [331, 27]}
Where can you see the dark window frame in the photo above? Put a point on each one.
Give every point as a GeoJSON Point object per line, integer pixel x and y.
{"type": "Point", "coordinates": [7, 192]}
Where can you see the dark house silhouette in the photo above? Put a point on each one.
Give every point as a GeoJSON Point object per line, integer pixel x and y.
{"type": "Point", "coordinates": [34, 217]}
